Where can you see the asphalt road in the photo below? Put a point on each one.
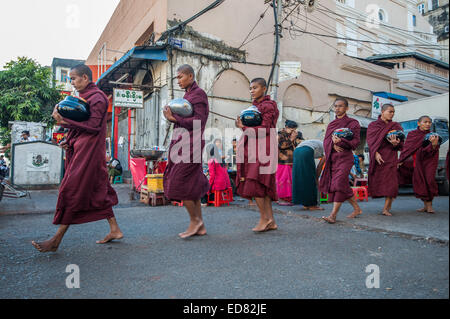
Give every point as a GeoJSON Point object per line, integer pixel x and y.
{"type": "Point", "coordinates": [305, 258]}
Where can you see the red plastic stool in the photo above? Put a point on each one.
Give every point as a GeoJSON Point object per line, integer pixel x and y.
{"type": "Point", "coordinates": [221, 197]}
{"type": "Point", "coordinates": [361, 193]}
{"type": "Point", "coordinates": [174, 203]}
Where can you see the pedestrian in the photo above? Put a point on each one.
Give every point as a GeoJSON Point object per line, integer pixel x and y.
{"type": "Point", "coordinates": [362, 165]}
{"type": "Point", "coordinates": [255, 177]}
{"type": "Point", "coordinates": [85, 194]}
{"type": "Point", "coordinates": [383, 181]}
{"type": "Point", "coordinates": [114, 168]}
{"type": "Point", "coordinates": [339, 161]}
{"type": "Point", "coordinates": [185, 180]}
{"type": "Point", "coordinates": [305, 174]}
{"type": "Point", "coordinates": [299, 138]}
{"type": "Point", "coordinates": [25, 137]}
{"type": "Point", "coordinates": [286, 145]}
{"type": "Point", "coordinates": [218, 177]}
{"type": "Point", "coordinates": [425, 162]}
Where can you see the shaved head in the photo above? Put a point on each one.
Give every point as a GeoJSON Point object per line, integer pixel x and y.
{"type": "Point", "coordinates": [186, 69]}
{"type": "Point", "coordinates": [260, 81]}
{"type": "Point", "coordinates": [423, 117]}
{"type": "Point", "coordinates": [386, 106]}
{"type": "Point", "coordinates": [82, 69]}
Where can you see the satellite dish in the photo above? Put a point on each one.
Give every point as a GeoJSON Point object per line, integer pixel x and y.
{"type": "Point", "coordinates": [311, 5]}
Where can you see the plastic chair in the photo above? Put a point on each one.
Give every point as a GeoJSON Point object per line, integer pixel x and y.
{"type": "Point", "coordinates": [174, 203]}
{"type": "Point", "coordinates": [323, 197]}
{"type": "Point", "coordinates": [118, 180]}
{"type": "Point", "coordinates": [221, 197]}
{"type": "Point", "coordinates": [361, 193]}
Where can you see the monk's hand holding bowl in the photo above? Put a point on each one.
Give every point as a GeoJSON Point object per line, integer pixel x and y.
{"type": "Point", "coordinates": [238, 123]}
{"type": "Point", "coordinates": [335, 139]}
{"type": "Point", "coordinates": [434, 140]}
{"type": "Point", "coordinates": [168, 114]}
{"type": "Point", "coordinates": [58, 118]}
{"type": "Point", "coordinates": [394, 140]}
{"type": "Point", "coordinates": [378, 158]}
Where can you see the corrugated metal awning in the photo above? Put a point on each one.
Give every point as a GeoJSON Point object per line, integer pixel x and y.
{"type": "Point", "coordinates": [130, 63]}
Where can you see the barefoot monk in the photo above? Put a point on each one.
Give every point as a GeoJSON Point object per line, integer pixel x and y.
{"type": "Point", "coordinates": [425, 162]}
{"type": "Point", "coordinates": [383, 181]}
{"type": "Point", "coordinates": [256, 176]}
{"type": "Point", "coordinates": [85, 194]}
{"type": "Point", "coordinates": [339, 161]}
{"type": "Point", "coordinates": [183, 178]}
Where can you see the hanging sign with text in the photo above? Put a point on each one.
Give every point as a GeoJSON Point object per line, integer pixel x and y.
{"type": "Point", "coordinates": [128, 98]}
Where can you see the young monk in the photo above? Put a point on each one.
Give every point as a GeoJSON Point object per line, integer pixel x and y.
{"type": "Point", "coordinates": [85, 194]}
{"type": "Point", "coordinates": [339, 162]}
{"type": "Point", "coordinates": [185, 181]}
{"type": "Point", "coordinates": [383, 181]}
{"type": "Point", "coordinates": [254, 179]}
{"type": "Point", "coordinates": [425, 162]}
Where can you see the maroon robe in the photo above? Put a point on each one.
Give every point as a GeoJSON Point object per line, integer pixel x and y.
{"type": "Point", "coordinates": [335, 176]}
{"type": "Point", "coordinates": [425, 164]}
{"type": "Point", "coordinates": [250, 182]}
{"type": "Point", "coordinates": [383, 181]}
{"type": "Point", "coordinates": [85, 194]}
{"type": "Point", "coordinates": [185, 180]}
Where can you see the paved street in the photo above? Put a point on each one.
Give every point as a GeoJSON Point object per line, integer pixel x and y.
{"type": "Point", "coordinates": [305, 258]}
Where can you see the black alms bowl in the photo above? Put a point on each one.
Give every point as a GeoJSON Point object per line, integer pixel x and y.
{"type": "Point", "coordinates": [426, 140]}
{"type": "Point", "coordinates": [344, 133]}
{"type": "Point", "coordinates": [251, 117]}
{"type": "Point", "coordinates": [74, 108]}
{"type": "Point", "coordinates": [400, 135]}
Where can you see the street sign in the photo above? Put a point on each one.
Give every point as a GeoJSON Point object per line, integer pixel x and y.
{"type": "Point", "coordinates": [128, 98]}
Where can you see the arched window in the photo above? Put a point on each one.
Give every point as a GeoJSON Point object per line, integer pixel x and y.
{"type": "Point", "coordinates": [382, 15]}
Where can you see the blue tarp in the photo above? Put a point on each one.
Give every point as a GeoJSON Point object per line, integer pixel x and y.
{"type": "Point", "coordinates": [391, 96]}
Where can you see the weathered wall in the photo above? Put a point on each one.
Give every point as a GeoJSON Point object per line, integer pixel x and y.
{"type": "Point", "coordinates": [28, 172]}
{"type": "Point", "coordinates": [37, 130]}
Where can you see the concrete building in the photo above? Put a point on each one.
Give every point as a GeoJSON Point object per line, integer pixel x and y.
{"type": "Point", "coordinates": [323, 55]}
{"type": "Point", "coordinates": [60, 69]}
{"type": "Point", "coordinates": [436, 12]}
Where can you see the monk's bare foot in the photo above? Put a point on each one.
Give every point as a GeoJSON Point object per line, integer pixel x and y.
{"type": "Point", "coordinates": [265, 226]}
{"type": "Point", "coordinates": [46, 246]}
{"type": "Point", "coordinates": [314, 208]}
{"type": "Point", "coordinates": [355, 214]}
{"type": "Point", "coordinates": [430, 211]}
{"type": "Point", "coordinates": [272, 226]}
{"type": "Point", "coordinates": [329, 220]}
{"type": "Point", "coordinates": [422, 210]}
{"type": "Point", "coordinates": [201, 231]}
{"type": "Point", "coordinates": [386, 213]}
{"type": "Point", "coordinates": [194, 229]}
{"type": "Point", "coordinates": [110, 237]}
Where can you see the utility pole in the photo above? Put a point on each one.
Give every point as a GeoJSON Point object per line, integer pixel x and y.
{"type": "Point", "coordinates": [277, 45]}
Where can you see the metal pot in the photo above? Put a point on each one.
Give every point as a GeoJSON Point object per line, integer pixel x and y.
{"type": "Point", "coordinates": [181, 107]}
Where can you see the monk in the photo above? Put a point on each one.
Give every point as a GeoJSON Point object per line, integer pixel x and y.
{"type": "Point", "coordinates": [85, 194]}
{"type": "Point", "coordinates": [256, 178]}
{"type": "Point", "coordinates": [383, 181]}
{"type": "Point", "coordinates": [184, 180]}
{"type": "Point", "coordinates": [425, 161]}
{"type": "Point", "coordinates": [339, 162]}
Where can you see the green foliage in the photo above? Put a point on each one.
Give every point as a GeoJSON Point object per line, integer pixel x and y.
{"type": "Point", "coordinates": [26, 94]}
